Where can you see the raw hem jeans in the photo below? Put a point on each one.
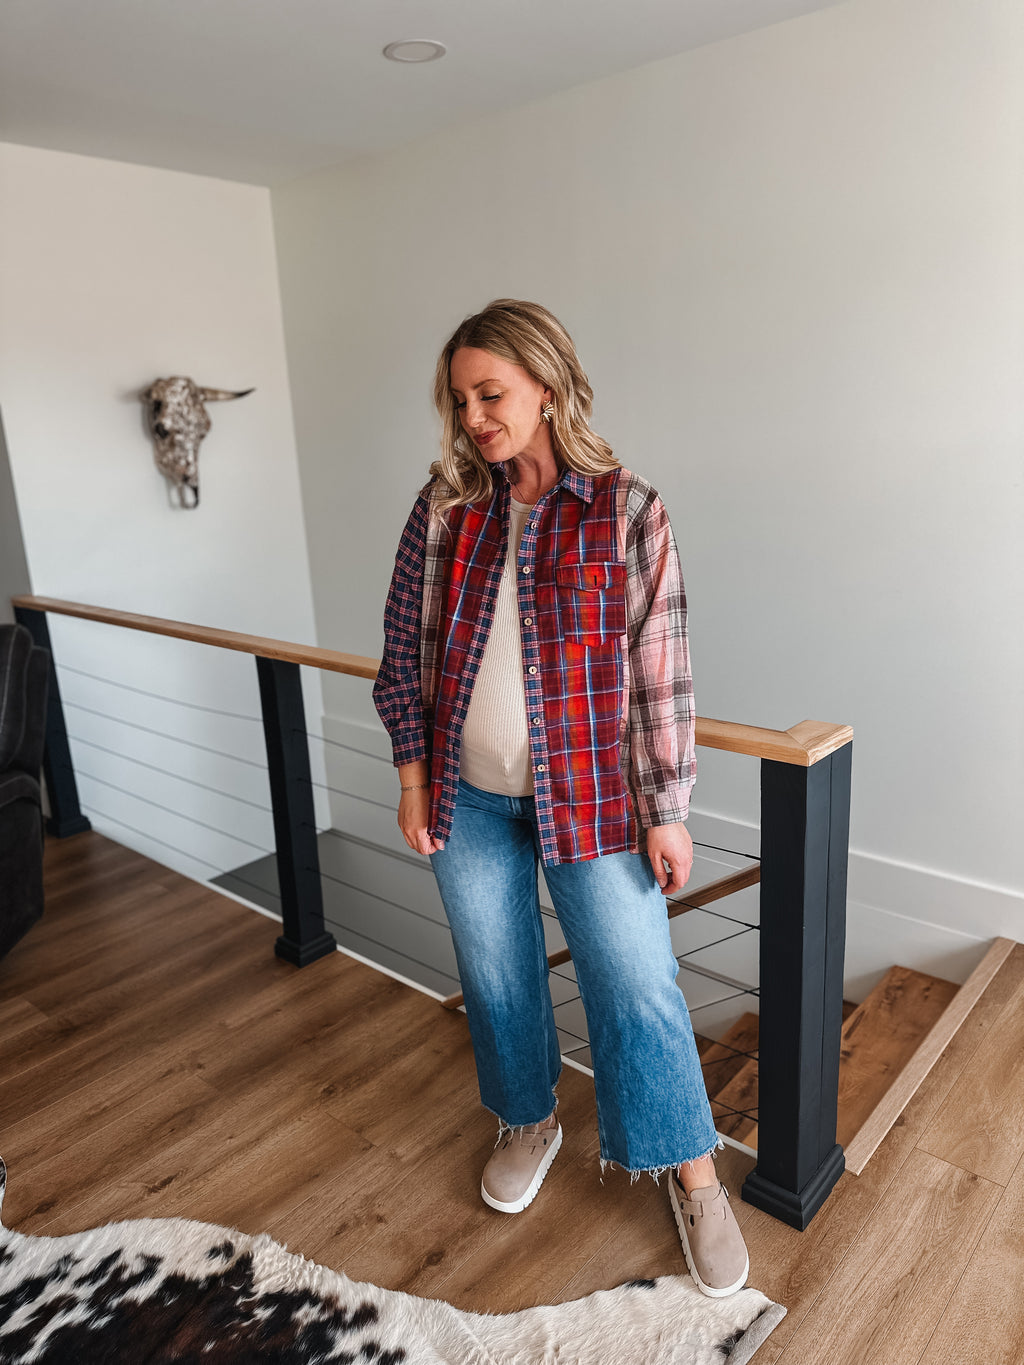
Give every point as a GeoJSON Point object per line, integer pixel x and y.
{"type": "Point", "coordinates": [652, 1107]}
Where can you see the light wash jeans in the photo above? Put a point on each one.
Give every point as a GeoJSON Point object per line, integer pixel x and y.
{"type": "Point", "coordinates": [652, 1107]}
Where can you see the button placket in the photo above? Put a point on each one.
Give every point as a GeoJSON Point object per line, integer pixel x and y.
{"type": "Point", "coordinates": [531, 660]}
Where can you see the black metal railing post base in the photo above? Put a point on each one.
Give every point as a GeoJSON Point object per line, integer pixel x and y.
{"type": "Point", "coordinates": [795, 1207]}
{"type": "Point", "coordinates": [63, 829]}
{"type": "Point", "coordinates": [65, 816]}
{"type": "Point", "coordinates": [302, 954]}
{"type": "Point", "coordinates": [291, 793]}
{"type": "Point", "coordinates": [805, 830]}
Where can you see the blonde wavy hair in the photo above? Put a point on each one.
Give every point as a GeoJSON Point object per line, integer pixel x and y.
{"type": "Point", "coordinates": [528, 335]}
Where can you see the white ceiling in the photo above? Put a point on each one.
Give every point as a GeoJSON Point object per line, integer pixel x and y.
{"type": "Point", "coordinates": [266, 90]}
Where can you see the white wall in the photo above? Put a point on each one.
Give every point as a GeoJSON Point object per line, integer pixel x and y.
{"type": "Point", "coordinates": [792, 266]}
{"type": "Point", "coordinates": [112, 275]}
{"type": "Point", "coordinates": [14, 576]}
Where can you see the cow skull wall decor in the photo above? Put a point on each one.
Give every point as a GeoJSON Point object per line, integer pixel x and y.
{"type": "Point", "coordinates": [178, 421]}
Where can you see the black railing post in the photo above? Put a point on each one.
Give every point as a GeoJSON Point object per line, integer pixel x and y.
{"type": "Point", "coordinates": [66, 816]}
{"type": "Point", "coordinates": [805, 826]}
{"type": "Point", "coordinates": [291, 792]}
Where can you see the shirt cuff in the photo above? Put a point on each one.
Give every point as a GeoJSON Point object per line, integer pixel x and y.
{"type": "Point", "coordinates": [663, 807]}
{"type": "Point", "coordinates": [409, 748]}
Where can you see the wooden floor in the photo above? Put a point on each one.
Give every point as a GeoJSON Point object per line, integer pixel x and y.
{"type": "Point", "coordinates": [158, 1060]}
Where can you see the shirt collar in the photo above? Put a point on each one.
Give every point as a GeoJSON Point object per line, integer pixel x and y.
{"type": "Point", "coordinates": [580, 484]}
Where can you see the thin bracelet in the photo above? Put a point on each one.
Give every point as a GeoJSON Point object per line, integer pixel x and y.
{"type": "Point", "coordinates": [422, 787]}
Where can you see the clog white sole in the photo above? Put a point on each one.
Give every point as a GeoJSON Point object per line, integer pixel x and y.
{"type": "Point", "coordinates": [530, 1193]}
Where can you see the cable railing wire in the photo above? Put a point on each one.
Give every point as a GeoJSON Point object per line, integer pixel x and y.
{"type": "Point", "coordinates": [367, 800]}
{"type": "Point", "coordinates": [736, 852]}
{"type": "Point", "coordinates": [179, 815]}
{"type": "Point", "coordinates": [584, 1042]}
{"type": "Point", "coordinates": [178, 777]}
{"type": "Point", "coordinates": [346, 928]}
{"type": "Point", "coordinates": [327, 876]}
{"type": "Point", "coordinates": [162, 734]}
{"type": "Point", "coordinates": [263, 890]}
{"type": "Point", "coordinates": [388, 947]}
{"type": "Point", "coordinates": [716, 943]}
{"type": "Point", "coordinates": [723, 1000]}
{"type": "Point", "coordinates": [339, 744]}
{"type": "Point", "coordinates": [160, 696]}
{"type": "Point", "coordinates": [730, 1112]}
{"type": "Point", "coordinates": [708, 974]}
{"type": "Point", "coordinates": [734, 1052]}
{"type": "Point", "coordinates": [720, 914]}
{"type": "Point", "coordinates": [145, 834]}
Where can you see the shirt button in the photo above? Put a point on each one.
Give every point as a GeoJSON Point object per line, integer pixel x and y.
{"type": "Point", "coordinates": [541, 768]}
{"type": "Point", "coordinates": [536, 720]}
{"type": "Point", "coordinates": [531, 669]}
{"type": "Point", "coordinates": [527, 569]}
{"type": "Point", "coordinates": [527, 620]}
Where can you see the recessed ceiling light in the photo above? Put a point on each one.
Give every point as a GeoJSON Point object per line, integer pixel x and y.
{"type": "Point", "coordinates": [415, 50]}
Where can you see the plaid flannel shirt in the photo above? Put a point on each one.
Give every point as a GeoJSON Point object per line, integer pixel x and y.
{"type": "Point", "coordinates": [606, 671]}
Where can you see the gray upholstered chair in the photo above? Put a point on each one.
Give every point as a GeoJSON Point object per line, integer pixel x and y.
{"type": "Point", "coordinates": [24, 671]}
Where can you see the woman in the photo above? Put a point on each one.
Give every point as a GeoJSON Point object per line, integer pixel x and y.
{"type": "Point", "coordinates": [536, 686]}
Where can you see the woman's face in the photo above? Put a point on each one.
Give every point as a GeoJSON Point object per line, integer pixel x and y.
{"type": "Point", "coordinates": [499, 406]}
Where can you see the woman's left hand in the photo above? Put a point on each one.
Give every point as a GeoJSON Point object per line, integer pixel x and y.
{"type": "Point", "coordinates": [670, 850]}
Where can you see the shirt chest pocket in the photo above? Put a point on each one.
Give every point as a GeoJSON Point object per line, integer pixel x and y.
{"type": "Point", "coordinates": [591, 601]}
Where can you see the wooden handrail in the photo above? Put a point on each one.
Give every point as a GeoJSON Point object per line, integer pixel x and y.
{"type": "Point", "coordinates": [359, 665]}
{"type": "Point", "coordinates": [802, 745]}
{"type": "Point", "coordinates": [704, 895]}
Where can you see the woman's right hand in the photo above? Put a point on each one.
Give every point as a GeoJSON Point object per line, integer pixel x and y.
{"type": "Point", "coordinates": [413, 819]}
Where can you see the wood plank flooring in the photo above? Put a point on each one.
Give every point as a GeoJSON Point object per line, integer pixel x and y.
{"type": "Point", "coordinates": [157, 1059]}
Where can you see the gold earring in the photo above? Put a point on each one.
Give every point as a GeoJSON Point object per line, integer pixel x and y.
{"type": "Point", "coordinates": [547, 412]}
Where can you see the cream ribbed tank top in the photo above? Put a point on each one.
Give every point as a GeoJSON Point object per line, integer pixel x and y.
{"type": "Point", "coordinates": [495, 736]}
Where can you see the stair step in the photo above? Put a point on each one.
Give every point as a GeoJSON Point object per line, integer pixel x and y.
{"type": "Point", "coordinates": [879, 1037]}
{"type": "Point", "coordinates": [721, 1060]}
{"type": "Point", "coordinates": [735, 1106]}
{"type": "Point", "coordinates": [881, 1119]}
{"type": "Point", "coordinates": [731, 1077]}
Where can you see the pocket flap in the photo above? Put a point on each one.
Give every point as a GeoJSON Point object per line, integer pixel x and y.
{"type": "Point", "coordinates": [593, 576]}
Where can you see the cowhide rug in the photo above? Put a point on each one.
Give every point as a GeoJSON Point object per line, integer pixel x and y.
{"type": "Point", "coordinates": [169, 1289]}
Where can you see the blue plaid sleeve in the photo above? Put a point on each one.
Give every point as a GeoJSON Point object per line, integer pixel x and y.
{"type": "Point", "coordinates": [397, 692]}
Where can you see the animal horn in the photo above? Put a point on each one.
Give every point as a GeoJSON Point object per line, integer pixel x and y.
{"type": "Point", "coordinates": [217, 395]}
